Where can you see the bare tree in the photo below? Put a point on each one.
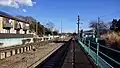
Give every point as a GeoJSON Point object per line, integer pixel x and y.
{"type": "Point", "coordinates": [102, 27]}
{"type": "Point", "coordinates": [50, 25]}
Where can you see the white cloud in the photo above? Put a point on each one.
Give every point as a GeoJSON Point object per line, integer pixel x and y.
{"type": "Point", "coordinates": [24, 10]}
{"type": "Point", "coordinates": [34, 2]}
{"type": "Point", "coordinates": [25, 2]}
{"type": "Point", "coordinates": [10, 3]}
{"type": "Point", "coordinates": [16, 3]}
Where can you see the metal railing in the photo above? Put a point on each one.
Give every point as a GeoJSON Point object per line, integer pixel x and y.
{"type": "Point", "coordinates": [100, 54]}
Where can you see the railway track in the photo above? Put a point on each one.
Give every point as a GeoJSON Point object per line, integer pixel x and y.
{"type": "Point", "coordinates": [56, 59]}
{"type": "Point", "coordinates": [70, 55]}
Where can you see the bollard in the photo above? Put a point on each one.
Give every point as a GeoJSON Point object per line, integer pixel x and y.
{"type": "Point", "coordinates": [2, 55]}
{"type": "Point", "coordinates": [23, 49]}
{"type": "Point", "coordinates": [29, 47]}
{"type": "Point", "coordinates": [20, 50]}
{"type": "Point", "coordinates": [8, 53]}
{"type": "Point", "coordinates": [15, 51]}
{"type": "Point", "coordinates": [26, 48]}
{"type": "Point", "coordinates": [5, 54]}
{"type": "Point", "coordinates": [11, 53]}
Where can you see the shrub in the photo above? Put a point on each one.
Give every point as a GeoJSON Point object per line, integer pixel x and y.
{"type": "Point", "coordinates": [24, 41]}
{"type": "Point", "coordinates": [1, 43]}
{"type": "Point", "coordinates": [36, 39]}
{"type": "Point", "coordinates": [112, 38]}
{"type": "Point", "coordinates": [28, 40]}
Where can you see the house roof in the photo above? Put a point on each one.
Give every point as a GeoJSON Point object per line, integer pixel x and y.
{"type": "Point", "coordinates": [3, 14]}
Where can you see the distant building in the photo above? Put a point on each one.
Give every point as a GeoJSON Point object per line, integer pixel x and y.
{"type": "Point", "coordinates": [13, 25]}
{"type": "Point", "coordinates": [88, 33]}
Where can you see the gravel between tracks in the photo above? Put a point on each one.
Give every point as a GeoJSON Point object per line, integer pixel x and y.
{"type": "Point", "coordinates": [24, 60]}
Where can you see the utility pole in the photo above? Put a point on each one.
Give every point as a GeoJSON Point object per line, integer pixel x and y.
{"type": "Point", "coordinates": [61, 27]}
{"type": "Point", "coordinates": [98, 27]}
{"type": "Point", "coordinates": [78, 24]}
{"type": "Point", "coordinates": [98, 35]}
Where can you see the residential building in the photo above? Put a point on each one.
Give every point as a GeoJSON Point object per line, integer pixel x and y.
{"type": "Point", "coordinates": [13, 25]}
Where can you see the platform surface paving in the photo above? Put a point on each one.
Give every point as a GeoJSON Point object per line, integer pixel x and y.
{"type": "Point", "coordinates": [76, 57]}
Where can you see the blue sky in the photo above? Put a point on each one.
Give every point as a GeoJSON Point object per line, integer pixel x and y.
{"type": "Point", "coordinates": [66, 11]}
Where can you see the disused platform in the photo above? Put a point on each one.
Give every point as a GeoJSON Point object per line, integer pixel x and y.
{"type": "Point", "coordinates": [70, 55]}
{"type": "Point", "coordinates": [77, 58]}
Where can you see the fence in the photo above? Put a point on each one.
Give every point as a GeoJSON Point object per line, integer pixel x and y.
{"type": "Point", "coordinates": [10, 35]}
{"type": "Point", "coordinates": [10, 51]}
{"type": "Point", "coordinates": [101, 55]}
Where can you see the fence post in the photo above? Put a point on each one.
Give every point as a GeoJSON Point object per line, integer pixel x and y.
{"type": "Point", "coordinates": [85, 41]}
{"type": "Point", "coordinates": [82, 40]}
{"type": "Point", "coordinates": [78, 37]}
{"type": "Point", "coordinates": [97, 54]}
{"type": "Point", "coordinates": [89, 47]}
